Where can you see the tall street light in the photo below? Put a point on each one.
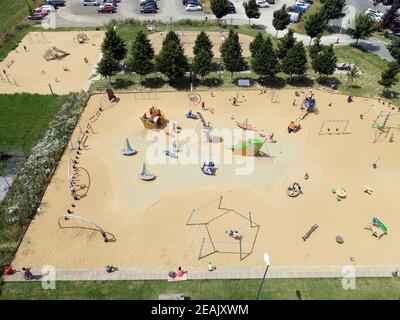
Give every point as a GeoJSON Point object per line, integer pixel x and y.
{"type": "Point", "coordinates": [266, 260]}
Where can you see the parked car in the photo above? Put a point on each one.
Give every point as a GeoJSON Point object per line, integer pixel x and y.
{"type": "Point", "coordinates": [36, 16]}
{"type": "Point", "coordinates": [395, 29]}
{"type": "Point", "coordinates": [394, 36]}
{"type": "Point", "coordinates": [113, 2]}
{"type": "Point", "coordinates": [296, 8]}
{"type": "Point", "coordinates": [107, 8]}
{"type": "Point", "coordinates": [185, 2]}
{"type": "Point", "coordinates": [262, 3]}
{"type": "Point", "coordinates": [302, 3]}
{"type": "Point", "coordinates": [294, 17]}
{"type": "Point", "coordinates": [193, 7]}
{"type": "Point", "coordinates": [231, 7]}
{"type": "Point", "coordinates": [375, 14]}
{"type": "Point", "coordinates": [91, 3]}
{"type": "Point", "coordinates": [343, 66]}
{"type": "Point", "coordinates": [48, 8]}
{"type": "Point", "coordinates": [148, 9]}
{"type": "Point", "coordinates": [56, 3]}
{"type": "Point", "coordinates": [41, 11]}
{"type": "Point", "coordinates": [148, 2]}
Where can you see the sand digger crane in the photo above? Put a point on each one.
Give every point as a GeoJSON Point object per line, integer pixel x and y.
{"type": "Point", "coordinates": [54, 53]}
{"type": "Point", "coordinates": [81, 37]}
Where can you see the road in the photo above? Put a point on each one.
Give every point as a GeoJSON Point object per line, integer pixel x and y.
{"type": "Point", "coordinates": [74, 14]}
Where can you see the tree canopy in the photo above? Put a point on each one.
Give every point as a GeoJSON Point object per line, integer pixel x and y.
{"type": "Point", "coordinates": [295, 62]}
{"type": "Point", "coordinates": [389, 76]}
{"type": "Point", "coordinates": [171, 60]}
{"type": "Point", "coordinates": [108, 65]}
{"type": "Point", "coordinates": [264, 60]}
{"type": "Point", "coordinates": [203, 42]}
{"type": "Point", "coordinates": [285, 44]}
{"type": "Point", "coordinates": [140, 55]}
{"type": "Point", "coordinates": [324, 62]}
{"type": "Point", "coordinates": [219, 8]}
{"type": "Point", "coordinates": [363, 28]}
{"type": "Point", "coordinates": [394, 49]}
{"type": "Point", "coordinates": [251, 9]}
{"type": "Point", "coordinates": [114, 44]}
{"type": "Point", "coordinates": [281, 19]}
{"type": "Point", "coordinates": [332, 9]}
{"type": "Point", "coordinates": [315, 24]}
{"type": "Point", "coordinates": [231, 53]}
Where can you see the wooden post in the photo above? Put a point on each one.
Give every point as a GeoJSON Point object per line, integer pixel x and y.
{"type": "Point", "coordinates": [51, 90]}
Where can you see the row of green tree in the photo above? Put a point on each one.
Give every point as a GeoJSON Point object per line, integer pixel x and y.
{"type": "Point", "coordinates": [266, 61]}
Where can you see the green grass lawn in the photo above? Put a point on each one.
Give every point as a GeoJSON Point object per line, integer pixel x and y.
{"type": "Point", "coordinates": [274, 289]}
{"type": "Point", "coordinates": [24, 118]}
{"type": "Point", "coordinates": [370, 65]}
{"type": "Point", "coordinates": [12, 43]}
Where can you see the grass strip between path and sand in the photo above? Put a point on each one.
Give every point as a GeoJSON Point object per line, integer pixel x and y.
{"type": "Point", "coordinates": [273, 289]}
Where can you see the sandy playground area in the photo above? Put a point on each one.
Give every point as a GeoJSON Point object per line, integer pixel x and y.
{"type": "Point", "coordinates": [188, 39]}
{"type": "Point", "coordinates": [27, 70]}
{"type": "Point", "coordinates": [148, 218]}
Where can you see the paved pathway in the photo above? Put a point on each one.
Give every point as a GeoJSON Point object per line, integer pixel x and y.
{"type": "Point", "coordinates": [5, 182]}
{"type": "Point", "coordinates": [223, 273]}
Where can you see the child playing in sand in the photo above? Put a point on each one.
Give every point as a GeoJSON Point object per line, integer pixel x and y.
{"type": "Point", "coordinates": [110, 268]}
{"type": "Point", "coordinates": [211, 267]}
{"type": "Point", "coordinates": [234, 101]}
{"type": "Point", "coordinates": [234, 234]}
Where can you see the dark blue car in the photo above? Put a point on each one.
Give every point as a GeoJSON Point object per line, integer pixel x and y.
{"type": "Point", "coordinates": [298, 9]}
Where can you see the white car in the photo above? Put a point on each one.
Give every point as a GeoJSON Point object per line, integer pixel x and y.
{"type": "Point", "coordinates": [302, 4]}
{"type": "Point", "coordinates": [48, 8]}
{"type": "Point", "coordinates": [376, 15]}
{"type": "Point", "coordinates": [91, 2]}
{"type": "Point", "coordinates": [193, 7]}
{"type": "Point", "coordinates": [262, 3]}
{"type": "Point", "coordinates": [294, 17]}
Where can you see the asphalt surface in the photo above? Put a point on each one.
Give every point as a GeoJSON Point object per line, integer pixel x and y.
{"type": "Point", "coordinates": [74, 14]}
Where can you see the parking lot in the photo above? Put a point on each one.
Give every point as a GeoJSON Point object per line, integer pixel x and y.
{"type": "Point", "coordinates": [75, 14]}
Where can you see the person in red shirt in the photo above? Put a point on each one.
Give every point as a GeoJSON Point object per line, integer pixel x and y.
{"type": "Point", "coordinates": [9, 271]}
{"type": "Point", "coordinates": [180, 272]}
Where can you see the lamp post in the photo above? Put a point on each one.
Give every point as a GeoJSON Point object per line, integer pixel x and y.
{"type": "Point", "coordinates": [266, 260]}
{"type": "Point", "coordinates": [220, 61]}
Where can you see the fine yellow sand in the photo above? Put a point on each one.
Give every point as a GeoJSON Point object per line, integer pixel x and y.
{"type": "Point", "coordinates": [27, 71]}
{"type": "Point", "coordinates": [188, 39]}
{"type": "Point", "coordinates": [148, 219]}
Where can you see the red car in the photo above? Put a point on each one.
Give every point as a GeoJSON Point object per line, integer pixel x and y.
{"type": "Point", "coordinates": [41, 11]}
{"type": "Point", "coordinates": [107, 8]}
